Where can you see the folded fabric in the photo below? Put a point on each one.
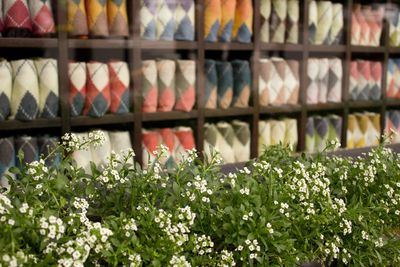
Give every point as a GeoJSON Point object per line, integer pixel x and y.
{"type": "Point", "coordinates": [278, 21]}
{"type": "Point", "coordinates": [100, 154]}
{"type": "Point", "coordinates": [266, 69]}
{"type": "Point", "coordinates": [335, 81]}
{"type": "Point", "coordinates": [76, 16]}
{"type": "Point", "coordinates": [7, 158]}
{"type": "Point", "coordinates": [149, 86]}
{"type": "Point", "coordinates": [47, 71]}
{"type": "Point", "coordinates": [335, 124]}
{"type": "Point", "coordinates": [42, 17]}
{"type": "Point", "coordinates": [98, 96]}
{"type": "Point", "coordinates": [323, 80]}
{"type": "Point", "coordinates": [166, 19]}
{"type": "Point", "coordinates": [185, 85]}
{"type": "Point", "coordinates": [25, 92]}
{"type": "Point", "coordinates": [325, 19]}
{"type": "Point", "coordinates": [117, 18]}
{"type": "Point", "coordinates": [311, 146]}
{"type": "Point", "coordinates": [360, 135]}
{"type": "Point", "coordinates": [354, 78]}
{"type": "Point", "coordinates": [336, 31]}
{"type": "Point", "coordinates": [352, 131]}
{"type": "Point", "coordinates": [376, 24]}
{"type": "Point", "coordinates": [166, 84]}
{"type": "Point", "coordinates": [276, 82]}
{"type": "Point", "coordinates": [17, 19]}
{"type": "Point", "coordinates": [148, 19]}
{"type": "Point", "coordinates": [376, 81]}
{"type": "Point", "coordinates": [364, 27]}
{"type": "Point", "coordinates": [185, 142]}
{"type": "Point", "coordinates": [27, 146]}
{"type": "Point", "coordinates": [312, 21]}
{"type": "Point", "coordinates": [47, 149]}
{"type": "Point", "coordinates": [265, 17]}
{"type": "Point", "coordinates": [374, 129]}
{"type": "Point", "coordinates": [1, 18]}
{"type": "Point", "coordinates": [313, 81]}
{"type": "Point", "coordinates": [392, 16]}
{"type": "Point", "coordinates": [212, 138]}
{"type": "Point", "coordinates": [228, 8]}
{"type": "Point", "coordinates": [291, 133]}
{"type": "Point", "coordinates": [396, 77]}
{"type": "Point", "coordinates": [225, 143]}
{"type": "Point", "coordinates": [83, 157]}
{"type": "Point", "coordinates": [120, 143]}
{"type": "Point", "coordinates": [151, 142]}
{"type": "Point", "coordinates": [169, 140]}
{"type": "Point", "coordinates": [5, 89]}
{"type": "Point", "coordinates": [369, 20]}
{"type": "Point", "coordinates": [264, 136]}
{"type": "Point", "coordinates": [392, 124]}
{"type": "Point", "coordinates": [211, 84]}
{"type": "Point", "coordinates": [241, 141]}
{"type": "Point", "coordinates": [185, 20]}
{"type": "Point", "coordinates": [119, 86]}
{"type": "Point", "coordinates": [97, 17]}
{"type": "Point", "coordinates": [292, 26]}
{"type": "Point", "coordinates": [278, 129]}
{"type": "Point", "coordinates": [292, 82]}
{"type": "Point", "coordinates": [364, 79]}
{"type": "Point", "coordinates": [212, 19]}
{"type": "Point", "coordinates": [225, 84]}
{"type": "Point", "coordinates": [391, 90]}
{"type": "Point", "coordinates": [77, 87]}
{"type": "Point", "coordinates": [243, 24]}
{"type": "Point", "coordinates": [355, 26]}
{"type": "Point", "coordinates": [321, 133]}
{"type": "Point", "coordinates": [241, 83]}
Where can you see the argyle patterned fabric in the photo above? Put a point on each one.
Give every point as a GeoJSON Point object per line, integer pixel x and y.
{"type": "Point", "coordinates": [25, 91]}
{"type": "Point", "coordinates": [360, 135]}
{"type": "Point", "coordinates": [374, 129]}
{"type": "Point", "coordinates": [352, 130]}
{"type": "Point", "coordinates": [16, 15]}
{"type": "Point", "coordinates": [97, 17]}
{"type": "Point", "coordinates": [185, 20]}
{"type": "Point", "coordinates": [321, 133]}
{"type": "Point", "coordinates": [364, 79]}
{"type": "Point", "coordinates": [335, 80]}
{"type": "Point", "coordinates": [151, 142]}
{"type": "Point", "coordinates": [392, 16]}
{"type": "Point", "coordinates": [241, 83]}
{"type": "Point", "coordinates": [28, 147]}
{"type": "Point", "coordinates": [1, 18]}
{"type": "Point", "coordinates": [148, 19]}
{"type": "Point", "coordinates": [83, 158]}
{"type": "Point", "coordinates": [376, 24]}
{"type": "Point", "coordinates": [7, 157]}
{"type": "Point", "coordinates": [98, 96]}
{"type": "Point", "coordinates": [212, 19]}
{"type": "Point", "coordinates": [392, 124]}
{"type": "Point", "coordinates": [166, 84]}
{"type": "Point", "coordinates": [276, 84]}
{"type": "Point", "coordinates": [47, 145]}
{"type": "Point", "coordinates": [166, 19]}
{"type": "Point", "coordinates": [185, 142]}
{"type": "Point", "coordinates": [354, 77]}
{"type": "Point", "coordinates": [149, 85]}
{"type": "Point", "coordinates": [211, 86]}
{"type": "Point", "coordinates": [212, 140]}
{"type": "Point", "coordinates": [117, 18]}
{"type": "Point", "coordinates": [225, 84]}
{"type": "Point", "coordinates": [228, 8]}
{"type": "Point", "coordinates": [355, 26]}
{"type": "Point", "coordinates": [396, 77]}
{"type": "Point", "coordinates": [5, 89]}
{"type": "Point", "coordinates": [42, 17]}
{"type": "Point", "coordinates": [120, 143]}
{"type": "Point", "coordinates": [243, 24]}
{"type": "Point", "coordinates": [312, 21]}
{"type": "Point", "coordinates": [47, 71]}
{"type": "Point", "coordinates": [311, 146]}
{"type": "Point", "coordinates": [101, 153]}
{"type": "Point", "coordinates": [292, 82]}
{"type": "Point", "coordinates": [170, 141]}
{"type": "Point", "coordinates": [376, 81]}
{"type": "Point", "coordinates": [119, 86]}
{"type": "Point", "coordinates": [77, 87]}
{"type": "Point", "coordinates": [365, 31]}
{"type": "Point", "coordinates": [335, 124]}
{"type": "Point", "coordinates": [336, 31]}
{"type": "Point", "coordinates": [278, 21]}
{"type": "Point", "coordinates": [241, 141]}
{"type": "Point", "coordinates": [266, 69]}
{"type": "Point", "coordinates": [265, 18]}
{"type": "Point", "coordinates": [225, 144]}
{"type": "Point", "coordinates": [278, 129]}
{"type": "Point", "coordinates": [313, 81]}
{"type": "Point", "coordinates": [77, 19]}
{"type": "Point", "coordinates": [325, 19]}
{"type": "Point", "coordinates": [185, 84]}
{"type": "Point", "coordinates": [323, 80]}
{"type": "Point", "coordinates": [264, 136]}
{"type": "Point", "coordinates": [393, 78]}
{"type": "Point", "coordinates": [292, 26]}
{"type": "Point", "coordinates": [291, 133]}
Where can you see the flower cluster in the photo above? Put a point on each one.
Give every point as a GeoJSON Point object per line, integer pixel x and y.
{"type": "Point", "coordinates": [177, 233]}
{"type": "Point", "coordinates": [130, 227]}
{"type": "Point", "coordinates": [179, 261]}
{"type": "Point", "coordinates": [71, 142]}
{"type": "Point", "coordinates": [51, 228]}
{"type": "Point", "coordinates": [203, 245]}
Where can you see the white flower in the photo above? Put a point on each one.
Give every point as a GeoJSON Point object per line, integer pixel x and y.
{"type": "Point", "coordinates": [11, 222]}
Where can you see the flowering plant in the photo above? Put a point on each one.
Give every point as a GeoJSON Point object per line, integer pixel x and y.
{"type": "Point", "coordinates": [279, 210]}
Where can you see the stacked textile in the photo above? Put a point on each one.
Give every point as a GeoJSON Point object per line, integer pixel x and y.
{"type": "Point", "coordinates": [393, 15]}
{"type": "Point", "coordinates": [325, 23]}
{"type": "Point", "coordinates": [230, 140]}
{"type": "Point", "coordinates": [280, 21]}
{"type": "Point", "coordinates": [97, 88]}
{"type": "Point", "coordinates": [392, 125]}
{"type": "Point", "coordinates": [23, 18]}
{"type": "Point", "coordinates": [322, 131]}
{"type": "Point", "coordinates": [274, 132]}
{"type": "Point", "coordinates": [98, 18]}
{"type": "Point", "coordinates": [365, 80]}
{"type": "Point", "coordinates": [363, 130]}
{"type": "Point", "coordinates": [393, 79]}
{"type": "Point", "coordinates": [167, 20]}
{"type": "Point", "coordinates": [367, 24]}
{"type": "Point", "coordinates": [29, 89]}
{"type": "Point", "coordinates": [324, 80]}
{"type": "Point", "coordinates": [279, 81]}
{"type": "Point", "coordinates": [228, 20]}
{"type": "Point", "coordinates": [168, 85]}
{"type": "Point", "coordinates": [176, 143]}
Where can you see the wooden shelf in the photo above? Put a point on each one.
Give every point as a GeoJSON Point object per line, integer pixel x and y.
{"type": "Point", "coordinates": [169, 116]}
{"type": "Point", "coordinates": [10, 125]}
{"type": "Point", "coordinates": [365, 104]}
{"type": "Point", "coordinates": [325, 106]}
{"type": "Point", "coordinates": [167, 45]}
{"type": "Point", "coordinates": [328, 48]}
{"type": "Point", "coordinates": [394, 50]}
{"type": "Point", "coordinates": [100, 43]}
{"type": "Point", "coordinates": [38, 43]}
{"type": "Point", "coordinates": [105, 120]}
{"type": "Point", "coordinates": [228, 46]}
{"type": "Point", "coordinates": [367, 49]}
{"type": "Point", "coordinates": [393, 103]}
{"type": "Point", "coordinates": [283, 109]}
{"type": "Point", "coordinates": [231, 112]}
{"type": "Point", "coordinates": [282, 47]}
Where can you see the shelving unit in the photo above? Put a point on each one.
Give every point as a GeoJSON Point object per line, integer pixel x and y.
{"type": "Point", "coordinates": [135, 49]}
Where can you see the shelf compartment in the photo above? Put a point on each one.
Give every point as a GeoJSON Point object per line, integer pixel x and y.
{"type": "Point", "coordinates": [29, 42]}
{"type": "Point", "coordinates": [229, 46]}
{"type": "Point", "coordinates": [100, 43]}
{"type": "Point", "coordinates": [169, 116]}
{"type": "Point", "coordinates": [281, 47]}
{"type": "Point", "coordinates": [105, 120]}
{"type": "Point", "coordinates": [280, 109]}
{"type": "Point", "coordinates": [231, 112]}
{"type": "Point", "coordinates": [10, 125]}
{"type": "Point", "coordinates": [167, 45]}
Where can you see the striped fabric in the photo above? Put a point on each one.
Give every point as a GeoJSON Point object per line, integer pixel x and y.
{"type": "Point", "coordinates": [292, 23]}
{"type": "Point", "coordinates": [354, 77]}
{"type": "Point", "coordinates": [97, 17]}
{"type": "Point", "coordinates": [212, 19]}
{"type": "Point", "coordinates": [211, 84]}
{"type": "Point", "coordinates": [228, 8]}
{"type": "Point", "coordinates": [47, 71]}
{"type": "Point", "coordinates": [185, 20]}
{"type": "Point", "coordinates": [292, 82]}
{"type": "Point", "coordinates": [119, 86]}
{"type": "Point", "coordinates": [7, 158]}
{"type": "Point", "coordinates": [310, 136]}
{"type": "Point", "coordinates": [100, 154]}
{"type": "Point", "coordinates": [5, 89]}
{"type": "Point", "coordinates": [323, 80]}
{"type": "Point", "coordinates": [170, 141]}
{"type": "Point", "coordinates": [313, 78]}
{"type": "Point", "coordinates": [17, 20]}
{"type": "Point", "coordinates": [265, 18]}
{"type": "Point", "coordinates": [264, 136]}
{"type": "Point", "coordinates": [83, 157]}
{"type": "Point", "coordinates": [241, 83]}
{"type": "Point", "coordinates": [27, 146]}
{"type": "Point", "coordinates": [166, 19]}
{"type": "Point", "coordinates": [47, 145]}
{"type": "Point", "coordinates": [117, 18]}
{"type": "Point", "coordinates": [76, 16]}
{"type": "Point", "coordinates": [148, 19]}
{"type": "Point", "coordinates": [149, 85]}
{"type": "Point", "coordinates": [325, 19]}
{"type": "Point", "coordinates": [243, 24]}
{"type": "Point", "coordinates": [278, 21]}
{"type": "Point", "coordinates": [25, 91]}
{"type": "Point", "coordinates": [336, 31]}
{"type": "Point", "coordinates": [321, 133]}
{"type": "Point", "coordinates": [291, 133]}
{"type": "Point", "coordinates": [225, 84]}
{"type": "Point", "coordinates": [241, 141]}
{"type": "Point", "coordinates": [120, 143]}
{"type": "Point", "coordinates": [225, 142]}
{"type": "Point", "coordinates": [376, 81]}
{"type": "Point", "coordinates": [312, 21]}
{"type": "Point", "coordinates": [42, 17]}
{"type": "Point", "coordinates": [335, 81]}
{"type": "Point", "coordinates": [166, 84]}
{"type": "Point", "coordinates": [278, 128]}
{"type": "Point", "coordinates": [185, 142]}
{"type": "Point", "coordinates": [77, 87]}
{"type": "Point", "coordinates": [185, 85]}
{"type": "Point", "coordinates": [151, 142]}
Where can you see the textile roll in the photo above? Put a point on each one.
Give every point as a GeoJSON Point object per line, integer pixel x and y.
{"type": "Point", "coordinates": [77, 87]}
{"type": "Point", "coordinates": [42, 17]}
{"type": "Point", "coordinates": [356, 27]}
{"type": "Point", "coordinates": [310, 136]}
{"type": "Point", "coordinates": [7, 158]}
{"type": "Point", "coordinates": [313, 81]}
{"type": "Point", "coordinates": [17, 19]}
{"type": "Point", "coordinates": [336, 31]}
{"type": "Point", "coordinates": [151, 142]}
{"type": "Point", "coordinates": [376, 24]}
{"type": "Point", "coordinates": [225, 145]}
{"type": "Point", "coordinates": [119, 86]}
{"type": "Point", "coordinates": [77, 19]}
{"type": "Point", "coordinates": [335, 80]}
{"type": "Point", "coordinates": [149, 85]}
{"type": "Point", "coordinates": [292, 82]}
{"type": "Point", "coordinates": [323, 80]}
{"type": "Point", "coordinates": [5, 89]}
{"type": "Point", "coordinates": [264, 136]}
{"type": "Point", "coordinates": [228, 8]}
{"type": "Point", "coordinates": [291, 133]}
{"type": "Point", "coordinates": [364, 80]}
{"type": "Point", "coordinates": [265, 17]}
{"type": "Point", "coordinates": [360, 136]}
{"type": "Point", "coordinates": [212, 19]}
{"type": "Point", "coordinates": [166, 19]}
{"type": "Point", "coordinates": [278, 129]}
{"type": "Point", "coordinates": [278, 21]}
{"type": "Point", "coordinates": [312, 21]}
{"type": "Point", "coordinates": [212, 138]}
{"type": "Point", "coordinates": [169, 140]}
{"type": "Point", "coordinates": [243, 24]}
{"type": "Point", "coordinates": [376, 81]}
{"type": "Point", "coordinates": [325, 19]}
{"type": "Point", "coordinates": [211, 90]}
{"type": "Point", "coordinates": [321, 133]}
{"type": "Point", "coordinates": [335, 124]}
{"type": "Point", "coordinates": [241, 142]}
{"type": "Point", "coordinates": [100, 154]}
{"type": "Point", "coordinates": [292, 26]}
{"type": "Point", "coordinates": [225, 84]}
{"type": "Point", "coordinates": [354, 77]}
{"type": "Point", "coordinates": [46, 146]}
{"type": "Point", "coordinates": [98, 96]}
{"type": "Point", "coordinates": [352, 129]}
{"type": "Point", "coordinates": [166, 84]}
{"type": "Point", "coordinates": [120, 143]}
{"type": "Point", "coordinates": [83, 157]}
{"type": "Point", "coordinates": [266, 69]}
{"type": "Point", "coordinates": [148, 19]}
{"type": "Point", "coordinates": [25, 91]}
{"type": "Point", "coordinates": [117, 18]}
{"type": "Point", "coordinates": [364, 27]}
{"type": "Point", "coordinates": [185, 142]}
{"type": "Point", "coordinates": [97, 17]}
{"type": "Point", "coordinates": [276, 83]}
{"type": "Point", "coordinates": [28, 146]}
{"type": "Point", "coordinates": [47, 71]}
{"type": "Point", "coordinates": [241, 83]}
{"type": "Point", "coordinates": [185, 20]}
{"type": "Point", "coordinates": [392, 17]}
{"type": "Point", "coordinates": [374, 129]}
{"type": "Point", "coordinates": [185, 85]}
